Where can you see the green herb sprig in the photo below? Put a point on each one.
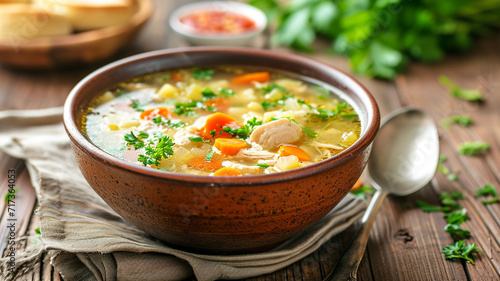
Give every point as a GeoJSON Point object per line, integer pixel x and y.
{"type": "Point", "coordinates": [157, 149]}
{"type": "Point", "coordinates": [381, 37]}
{"type": "Point", "coordinates": [473, 148]}
{"type": "Point", "coordinates": [460, 250]}
{"type": "Point", "coordinates": [456, 91]}
{"type": "Point", "coordinates": [445, 171]}
{"type": "Point", "coordinates": [489, 190]}
{"type": "Point", "coordinates": [457, 119]}
{"type": "Point", "coordinates": [202, 74]}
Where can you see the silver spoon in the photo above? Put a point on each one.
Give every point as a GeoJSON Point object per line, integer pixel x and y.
{"type": "Point", "coordinates": [404, 159]}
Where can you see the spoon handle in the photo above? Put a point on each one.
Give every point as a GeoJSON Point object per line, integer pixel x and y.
{"type": "Point", "coordinates": [347, 267]}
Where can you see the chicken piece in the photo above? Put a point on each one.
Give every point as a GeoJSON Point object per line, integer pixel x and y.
{"type": "Point", "coordinates": [243, 168]}
{"type": "Point", "coordinates": [255, 153]}
{"type": "Point", "coordinates": [275, 133]}
{"type": "Point", "coordinates": [182, 136]}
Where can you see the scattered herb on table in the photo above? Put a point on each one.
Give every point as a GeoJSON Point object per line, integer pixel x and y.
{"type": "Point", "coordinates": [202, 74]}
{"type": "Point", "coordinates": [454, 220]}
{"type": "Point", "coordinates": [473, 148]}
{"type": "Point", "coordinates": [489, 190]}
{"type": "Point", "coordinates": [460, 250]}
{"type": "Point", "coordinates": [363, 191]}
{"type": "Point", "coordinates": [456, 91]}
{"type": "Point", "coordinates": [457, 250]}
{"type": "Point", "coordinates": [458, 119]}
{"type": "Point", "coordinates": [381, 36]}
{"type": "Point", "coordinates": [10, 195]}
{"type": "Point", "coordinates": [445, 171]}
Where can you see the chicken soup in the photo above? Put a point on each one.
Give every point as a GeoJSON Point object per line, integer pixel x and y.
{"type": "Point", "coordinates": [222, 121]}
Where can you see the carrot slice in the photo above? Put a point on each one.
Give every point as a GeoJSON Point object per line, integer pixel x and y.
{"type": "Point", "coordinates": [177, 77]}
{"type": "Point", "coordinates": [217, 122]}
{"type": "Point", "coordinates": [228, 172]}
{"type": "Point", "coordinates": [154, 112]}
{"type": "Point", "coordinates": [200, 163]}
{"type": "Point", "coordinates": [229, 146]}
{"type": "Point", "coordinates": [250, 77]}
{"type": "Point", "coordinates": [220, 103]}
{"type": "Point", "coordinates": [287, 150]}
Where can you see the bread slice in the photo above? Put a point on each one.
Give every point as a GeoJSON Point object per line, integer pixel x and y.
{"type": "Point", "coordinates": [24, 21]}
{"type": "Point", "coordinates": [91, 14]}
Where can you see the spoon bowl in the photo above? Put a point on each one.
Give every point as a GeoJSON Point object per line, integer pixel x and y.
{"type": "Point", "coordinates": [404, 159]}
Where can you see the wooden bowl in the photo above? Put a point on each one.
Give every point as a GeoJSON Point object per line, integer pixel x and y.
{"type": "Point", "coordinates": [219, 214]}
{"type": "Point", "coordinates": [75, 49]}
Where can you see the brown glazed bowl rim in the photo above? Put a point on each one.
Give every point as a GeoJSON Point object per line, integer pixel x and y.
{"type": "Point", "coordinates": [366, 138]}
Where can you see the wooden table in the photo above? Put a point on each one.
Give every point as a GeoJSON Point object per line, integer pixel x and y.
{"type": "Point", "coordinates": [405, 242]}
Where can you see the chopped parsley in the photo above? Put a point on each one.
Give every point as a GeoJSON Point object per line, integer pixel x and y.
{"type": "Point", "coordinates": [473, 148]}
{"type": "Point", "coordinates": [448, 203]}
{"type": "Point", "coordinates": [489, 190]}
{"type": "Point", "coordinates": [169, 123]}
{"type": "Point", "coordinates": [156, 150]}
{"type": "Point", "coordinates": [226, 92]}
{"type": "Point", "coordinates": [136, 141]}
{"type": "Point", "coordinates": [37, 231]}
{"type": "Point", "coordinates": [454, 220]}
{"type": "Point", "coordinates": [270, 88]}
{"type": "Point", "coordinates": [187, 108]}
{"type": "Point", "coordinates": [457, 119]}
{"type": "Point", "coordinates": [202, 74]}
{"type": "Point", "coordinates": [11, 195]}
{"type": "Point", "coordinates": [310, 132]}
{"type": "Point", "coordinates": [460, 250]}
{"type": "Point", "coordinates": [445, 171]}
{"type": "Point", "coordinates": [207, 93]}
{"type": "Point", "coordinates": [323, 92]}
{"type": "Point", "coordinates": [242, 132]}
{"type": "Point", "coordinates": [213, 132]}
{"type": "Point", "coordinates": [302, 102]}
{"type": "Point", "coordinates": [136, 106]}
{"type": "Point", "coordinates": [209, 156]}
{"type": "Point", "coordinates": [456, 91]}
{"type": "Point", "coordinates": [198, 139]}
{"type": "Point", "coordinates": [263, 166]}
{"type": "Point", "coordinates": [166, 77]}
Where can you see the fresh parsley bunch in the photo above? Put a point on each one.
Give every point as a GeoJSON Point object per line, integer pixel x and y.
{"type": "Point", "coordinates": [380, 36]}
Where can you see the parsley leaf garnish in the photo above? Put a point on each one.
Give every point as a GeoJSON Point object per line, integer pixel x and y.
{"type": "Point", "coordinates": [209, 156]}
{"type": "Point", "coordinates": [9, 194]}
{"type": "Point", "coordinates": [136, 141]}
{"type": "Point", "coordinates": [262, 165]}
{"type": "Point", "coordinates": [204, 74]}
{"type": "Point", "coordinates": [310, 132]}
{"type": "Point", "coordinates": [166, 77]}
{"type": "Point", "coordinates": [156, 150]}
{"type": "Point", "coordinates": [473, 148]}
{"type": "Point", "coordinates": [488, 190]}
{"type": "Point", "coordinates": [460, 251]}
{"type": "Point", "coordinates": [207, 93]}
{"type": "Point", "coordinates": [226, 92]}
{"type": "Point", "coordinates": [270, 88]}
{"type": "Point", "coordinates": [160, 121]}
{"type": "Point", "coordinates": [198, 139]}
{"type": "Point", "coordinates": [245, 131]}
{"type": "Point", "coordinates": [456, 91]}
{"type": "Point", "coordinates": [136, 106]}
{"type": "Point", "coordinates": [448, 202]}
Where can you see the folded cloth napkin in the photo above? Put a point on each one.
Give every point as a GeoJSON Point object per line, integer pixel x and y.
{"type": "Point", "coordinates": [87, 240]}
